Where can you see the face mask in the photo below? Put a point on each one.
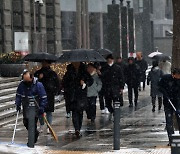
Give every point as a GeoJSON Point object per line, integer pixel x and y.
{"type": "Point", "coordinates": [111, 64]}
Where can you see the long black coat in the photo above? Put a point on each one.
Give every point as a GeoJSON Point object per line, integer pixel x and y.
{"type": "Point", "coordinates": [143, 67]}
{"type": "Point", "coordinates": [73, 91]}
{"type": "Point", "coordinates": [132, 75]}
{"type": "Point", "coordinates": [113, 80]}
{"type": "Point", "coordinates": [51, 84]}
{"type": "Point", "coordinates": [170, 88]}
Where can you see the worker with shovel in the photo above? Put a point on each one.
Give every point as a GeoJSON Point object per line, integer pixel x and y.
{"type": "Point", "coordinates": [169, 85]}
{"type": "Point", "coordinates": [32, 96]}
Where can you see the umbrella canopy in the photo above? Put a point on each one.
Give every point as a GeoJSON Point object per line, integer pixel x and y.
{"type": "Point", "coordinates": [154, 54]}
{"type": "Point", "coordinates": [40, 56]}
{"type": "Point", "coordinates": [104, 52]}
{"type": "Point", "coordinates": [81, 55]}
{"type": "Point", "coordinates": [161, 57]}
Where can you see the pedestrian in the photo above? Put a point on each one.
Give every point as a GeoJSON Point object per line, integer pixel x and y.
{"type": "Point", "coordinates": [28, 91]}
{"type": "Point", "coordinates": [92, 92]}
{"type": "Point", "coordinates": [143, 67]}
{"type": "Point", "coordinates": [132, 75]}
{"type": "Point", "coordinates": [165, 66]}
{"type": "Point", "coordinates": [75, 83]}
{"type": "Point", "coordinates": [51, 83]}
{"type": "Point", "coordinates": [101, 93]}
{"type": "Point", "coordinates": [169, 85]}
{"type": "Point", "coordinates": [122, 64]}
{"type": "Point", "coordinates": [114, 82]}
{"type": "Point", "coordinates": [154, 76]}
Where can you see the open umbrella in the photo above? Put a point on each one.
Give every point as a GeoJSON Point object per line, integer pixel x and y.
{"type": "Point", "coordinates": [154, 54]}
{"type": "Point", "coordinates": [40, 56]}
{"type": "Point", "coordinates": [104, 52]}
{"type": "Point", "coordinates": [81, 55]}
{"type": "Point", "coordinates": [161, 57]}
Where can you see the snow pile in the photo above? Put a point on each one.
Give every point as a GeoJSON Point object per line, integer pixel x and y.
{"type": "Point", "coordinates": [20, 148]}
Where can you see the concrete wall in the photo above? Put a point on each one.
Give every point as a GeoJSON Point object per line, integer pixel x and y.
{"type": "Point", "coordinates": [164, 45]}
{"type": "Point", "coordinates": [17, 16]}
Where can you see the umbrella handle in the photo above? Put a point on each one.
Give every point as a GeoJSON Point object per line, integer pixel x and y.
{"type": "Point", "coordinates": [14, 132]}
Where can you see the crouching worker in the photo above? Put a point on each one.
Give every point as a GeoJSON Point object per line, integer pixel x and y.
{"type": "Point", "coordinates": [32, 96]}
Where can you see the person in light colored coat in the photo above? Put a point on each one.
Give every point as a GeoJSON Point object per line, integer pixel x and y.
{"type": "Point", "coordinates": [92, 92]}
{"type": "Point", "coordinates": [154, 76]}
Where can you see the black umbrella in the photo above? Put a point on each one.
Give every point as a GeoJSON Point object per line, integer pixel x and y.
{"type": "Point", "coordinates": [40, 56]}
{"type": "Point", "coordinates": [161, 57]}
{"type": "Point", "coordinates": [104, 52]}
{"type": "Point", "coordinates": [81, 55]}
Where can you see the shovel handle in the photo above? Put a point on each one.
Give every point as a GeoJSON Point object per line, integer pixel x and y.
{"type": "Point", "coordinates": [14, 132]}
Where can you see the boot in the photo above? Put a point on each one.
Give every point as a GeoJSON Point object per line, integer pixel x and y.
{"type": "Point", "coordinates": [153, 109]}
{"type": "Point", "coordinates": [160, 103]}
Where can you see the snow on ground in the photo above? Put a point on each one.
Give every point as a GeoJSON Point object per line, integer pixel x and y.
{"type": "Point", "coordinates": [9, 148]}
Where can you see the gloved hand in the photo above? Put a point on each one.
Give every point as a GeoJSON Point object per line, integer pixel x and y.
{"type": "Point", "coordinates": [178, 112]}
{"type": "Point", "coordinates": [18, 108]}
{"type": "Point", "coordinates": [41, 110]}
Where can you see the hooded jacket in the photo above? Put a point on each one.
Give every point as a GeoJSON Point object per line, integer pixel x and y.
{"type": "Point", "coordinates": [27, 93]}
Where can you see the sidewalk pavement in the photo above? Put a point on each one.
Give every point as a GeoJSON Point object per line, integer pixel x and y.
{"type": "Point", "coordinates": [142, 132]}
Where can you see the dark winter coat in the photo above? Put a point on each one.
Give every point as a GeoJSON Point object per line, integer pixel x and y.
{"type": "Point", "coordinates": [73, 91]}
{"type": "Point", "coordinates": [132, 75]}
{"type": "Point", "coordinates": [170, 87]}
{"type": "Point", "coordinates": [26, 94]}
{"type": "Point", "coordinates": [143, 67]}
{"type": "Point", "coordinates": [123, 66]}
{"type": "Point", "coordinates": [51, 84]}
{"type": "Point", "coordinates": [154, 76]}
{"type": "Point", "coordinates": [113, 79]}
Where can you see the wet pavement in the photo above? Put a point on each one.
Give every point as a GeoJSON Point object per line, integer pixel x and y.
{"type": "Point", "coordinates": [141, 132]}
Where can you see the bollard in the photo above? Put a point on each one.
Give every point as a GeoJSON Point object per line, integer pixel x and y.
{"type": "Point", "coordinates": [116, 125]}
{"type": "Point", "coordinates": [175, 145]}
{"type": "Point", "coordinates": [31, 124]}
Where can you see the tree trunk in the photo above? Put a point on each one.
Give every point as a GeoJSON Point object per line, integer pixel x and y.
{"type": "Point", "coordinates": [176, 34]}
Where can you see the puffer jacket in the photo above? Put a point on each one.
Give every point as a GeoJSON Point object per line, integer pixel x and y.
{"type": "Point", "coordinates": [94, 89]}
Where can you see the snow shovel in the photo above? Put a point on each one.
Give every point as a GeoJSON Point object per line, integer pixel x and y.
{"type": "Point", "coordinates": [50, 129]}
{"type": "Point", "coordinates": [173, 107]}
{"type": "Point", "coordinates": [48, 125]}
{"type": "Point", "coordinates": [15, 127]}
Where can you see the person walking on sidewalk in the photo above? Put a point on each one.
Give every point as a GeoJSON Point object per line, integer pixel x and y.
{"type": "Point", "coordinates": [169, 85]}
{"type": "Point", "coordinates": [143, 67]}
{"type": "Point", "coordinates": [101, 93]}
{"type": "Point", "coordinates": [154, 76]}
{"type": "Point", "coordinates": [132, 75]}
{"type": "Point", "coordinates": [51, 83]}
{"type": "Point", "coordinates": [28, 90]}
{"type": "Point", "coordinates": [122, 64]}
{"type": "Point", "coordinates": [75, 83]}
{"type": "Point", "coordinates": [92, 92]}
{"type": "Point", "coordinates": [114, 82]}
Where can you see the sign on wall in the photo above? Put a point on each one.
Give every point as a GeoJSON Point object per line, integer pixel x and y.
{"type": "Point", "coordinates": [21, 41]}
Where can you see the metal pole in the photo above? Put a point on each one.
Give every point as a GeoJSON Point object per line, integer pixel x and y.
{"type": "Point", "coordinates": [101, 27]}
{"type": "Point", "coordinates": [83, 4]}
{"type": "Point", "coordinates": [78, 24]}
{"type": "Point", "coordinates": [31, 125]}
{"type": "Point", "coordinates": [87, 25]}
{"type": "Point", "coordinates": [116, 126]}
{"type": "Point", "coordinates": [34, 4]}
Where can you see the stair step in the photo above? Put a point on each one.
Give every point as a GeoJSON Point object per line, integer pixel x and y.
{"type": "Point", "coordinates": [7, 80]}
{"type": "Point", "coordinates": [8, 91]}
{"type": "Point", "coordinates": [7, 98]}
{"type": "Point", "coordinates": [7, 113]}
{"type": "Point", "coordinates": [7, 106]}
{"type": "Point", "coordinates": [9, 85]}
{"type": "Point", "coordinates": [10, 120]}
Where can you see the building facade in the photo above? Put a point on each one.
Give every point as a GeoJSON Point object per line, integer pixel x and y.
{"type": "Point", "coordinates": [18, 16]}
